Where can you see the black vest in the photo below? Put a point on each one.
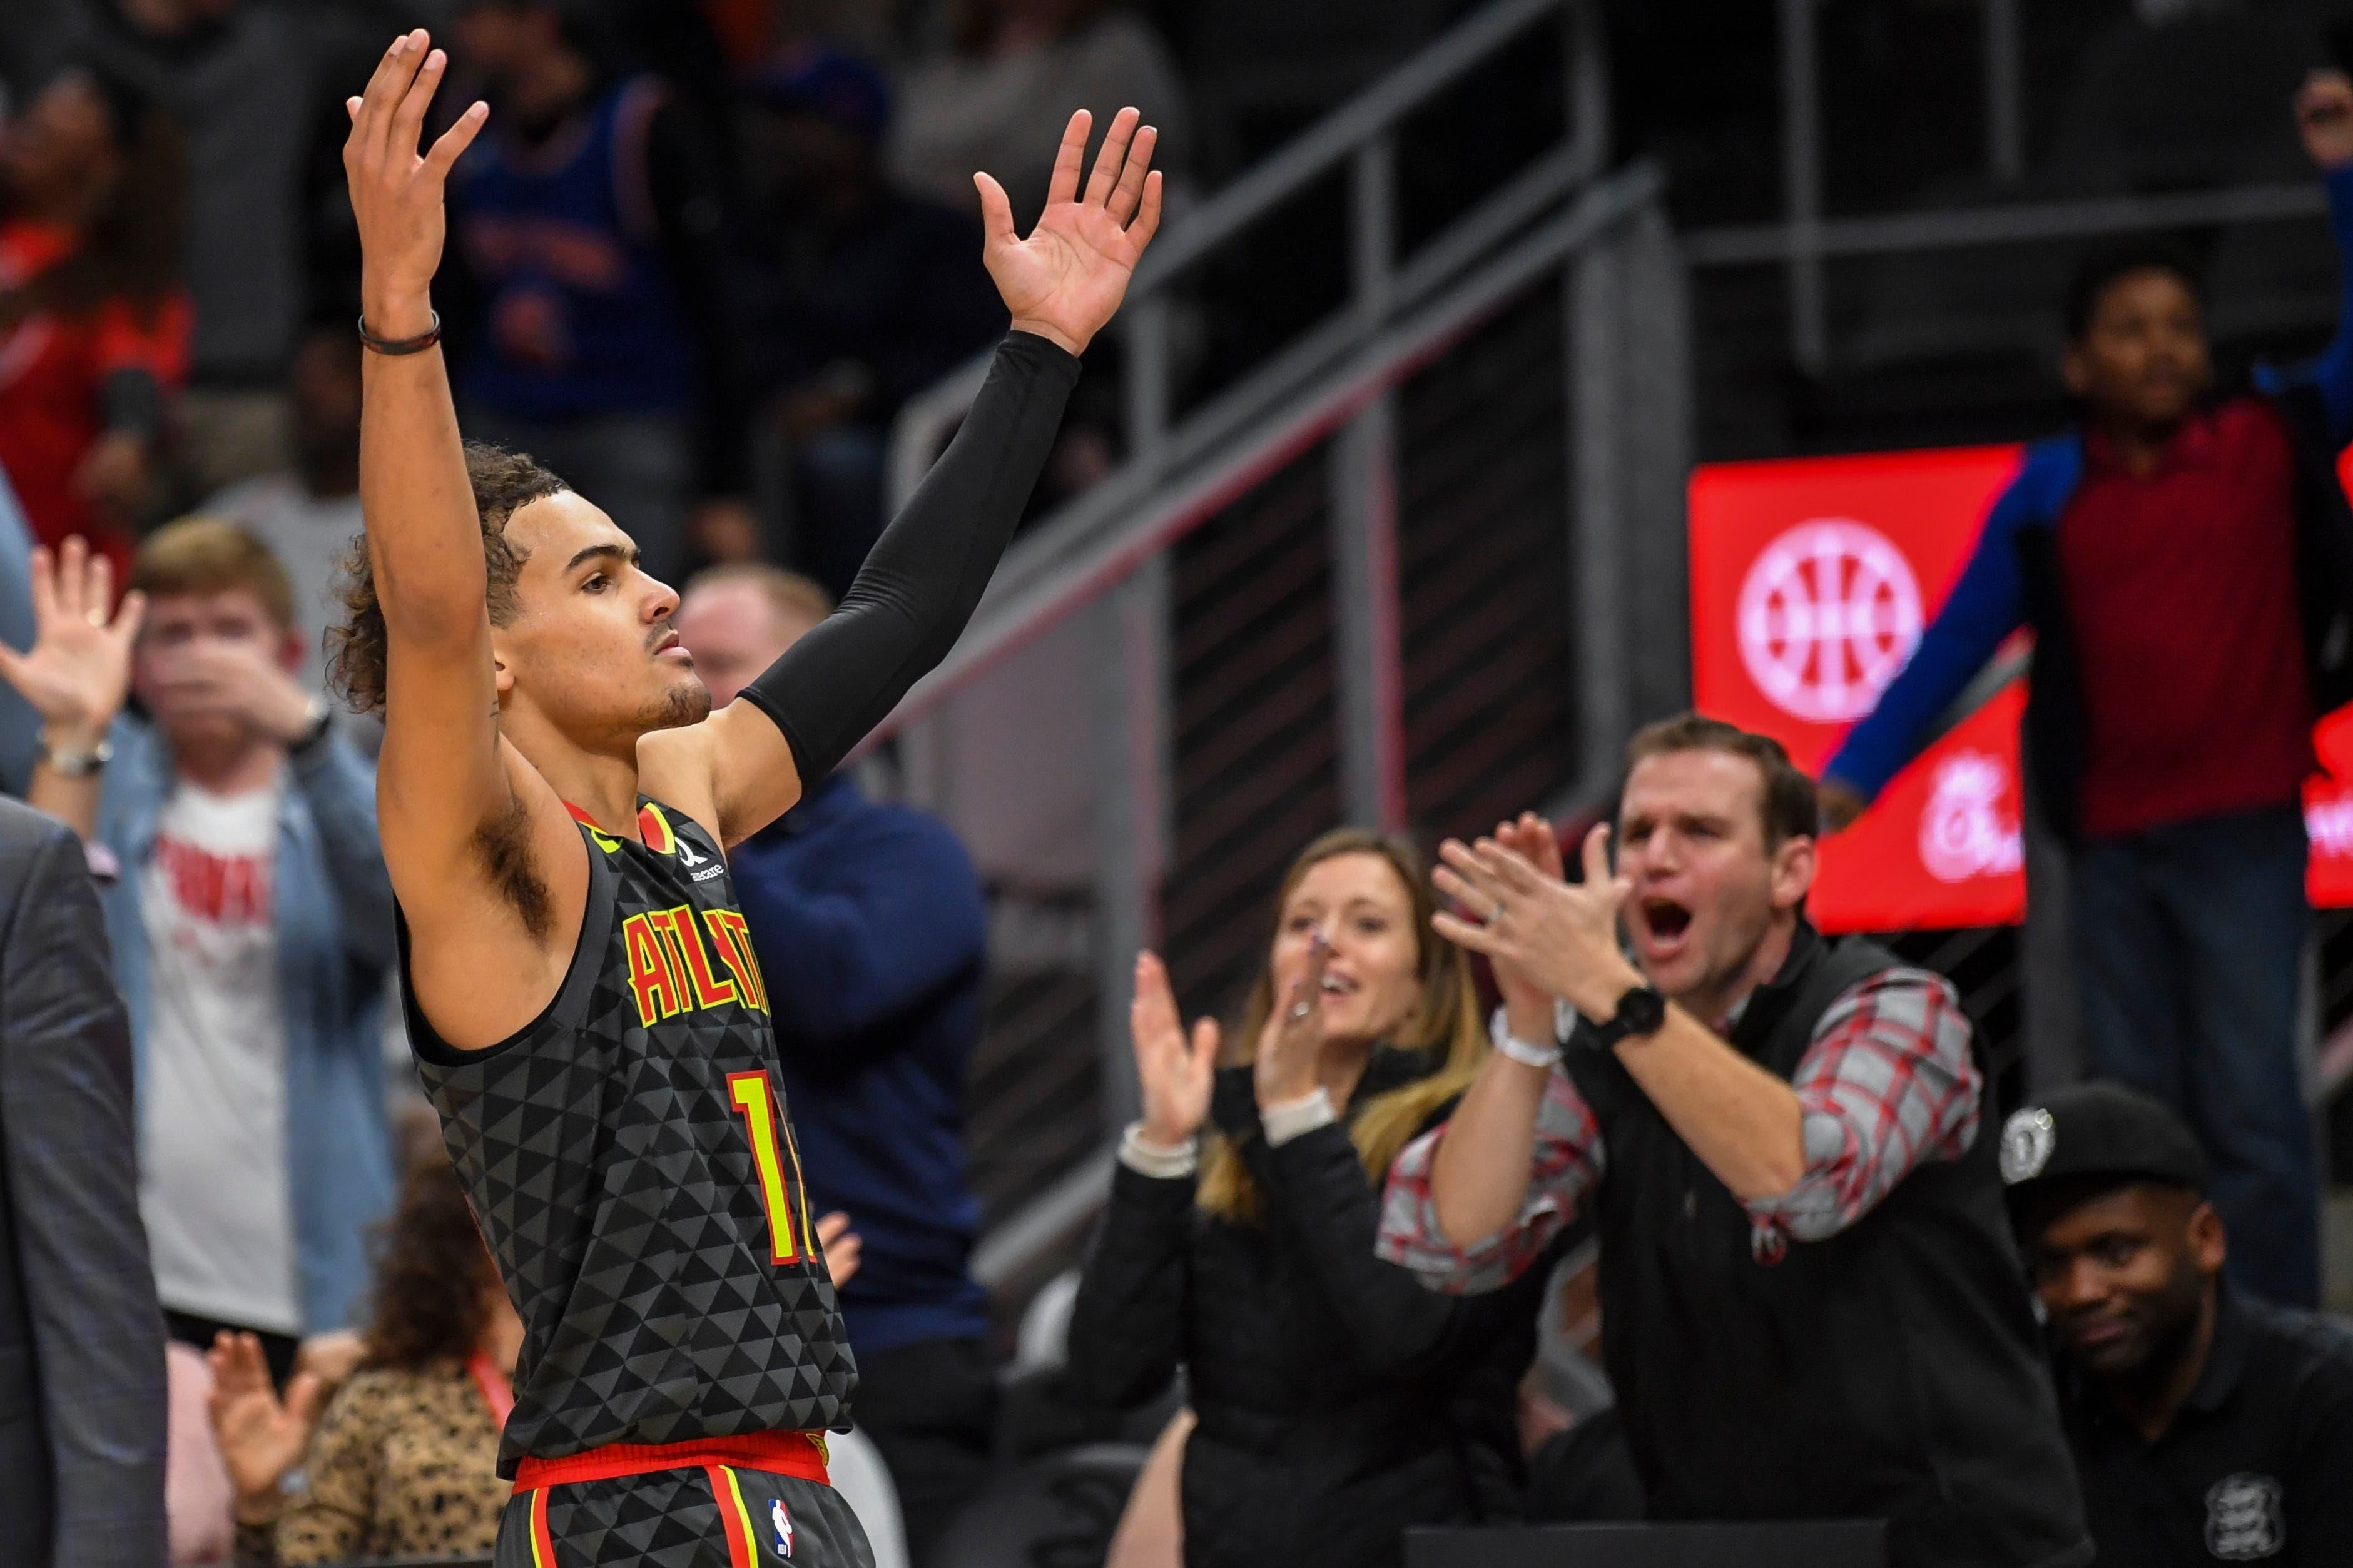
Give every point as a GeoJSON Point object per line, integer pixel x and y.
{"type": "Point", "coordinates": [1890, 1371]}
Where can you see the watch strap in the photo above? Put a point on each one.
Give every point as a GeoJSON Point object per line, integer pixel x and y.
{"type": "Point", "coordinates": [1641, 1011]}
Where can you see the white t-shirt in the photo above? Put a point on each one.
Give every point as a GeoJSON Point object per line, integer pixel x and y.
{"type": "Point", "coordinates": [214, 1186]}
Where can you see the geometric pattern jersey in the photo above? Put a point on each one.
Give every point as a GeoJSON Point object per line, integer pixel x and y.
{"type": "Point", "coordinates": [629, 1159]}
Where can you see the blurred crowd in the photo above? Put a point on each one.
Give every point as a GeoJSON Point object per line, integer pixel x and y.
{"type": "Point", "coordinates": [701, 259]}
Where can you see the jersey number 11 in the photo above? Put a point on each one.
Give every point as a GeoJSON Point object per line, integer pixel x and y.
{"type": "Point", "coordinates": [771, 1146]}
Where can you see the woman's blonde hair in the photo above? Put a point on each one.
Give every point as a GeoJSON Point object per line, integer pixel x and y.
{"type": "Point", "coordinates": [1445, 1023]}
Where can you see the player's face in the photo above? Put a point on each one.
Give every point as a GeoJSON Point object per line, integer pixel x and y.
{"type": "Point", "coordinates": [1706, 890]}
{"type": "Point", "coordinates": [591, 648]}
{"type": "Point", "coordinates": [2123, 1275]}
{"type": "Point", "coordinates": [1372, 982]}
{"type": "Point", "coordinates": [2143, 357]}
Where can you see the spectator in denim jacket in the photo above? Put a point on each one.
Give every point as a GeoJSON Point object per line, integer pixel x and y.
{"type": "Point", "coordinates": [251, 920]}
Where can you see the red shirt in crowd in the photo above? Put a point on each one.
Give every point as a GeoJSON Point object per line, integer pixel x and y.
{"type": "Point", "coordinates": [2181, 594]}
{"type": "Point", "coordinates": [53, 374]}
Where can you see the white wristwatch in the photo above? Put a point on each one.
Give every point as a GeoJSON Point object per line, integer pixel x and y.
{"type": "Point", "coordinates": [1525, 1053]}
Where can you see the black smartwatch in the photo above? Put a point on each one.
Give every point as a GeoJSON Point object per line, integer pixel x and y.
{"type": "Point", "coordinates": [1641, 1011]}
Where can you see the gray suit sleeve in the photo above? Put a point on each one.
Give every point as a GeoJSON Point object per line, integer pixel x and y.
{"type": "Point", "coordinates": [72, 1177]}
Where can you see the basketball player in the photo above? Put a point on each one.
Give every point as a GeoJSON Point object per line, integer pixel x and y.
{"type": "Point", "coordinates": [555, 795]}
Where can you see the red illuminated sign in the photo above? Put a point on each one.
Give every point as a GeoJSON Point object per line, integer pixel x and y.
{"type": "Point", "coordinates": [1811, 582]}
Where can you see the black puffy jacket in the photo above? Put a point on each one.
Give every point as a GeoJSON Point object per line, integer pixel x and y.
{"type": "Point", "coordinates": [1338, 1401]}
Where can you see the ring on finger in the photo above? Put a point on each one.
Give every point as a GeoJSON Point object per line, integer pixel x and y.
{"type": "Point", "coordinates": [1300, 1009]}
{"type": "Point", "coordinates": [97, 618]}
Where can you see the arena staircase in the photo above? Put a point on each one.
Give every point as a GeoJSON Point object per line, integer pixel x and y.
{"type": "Point", "coordinates": [1413, 563]}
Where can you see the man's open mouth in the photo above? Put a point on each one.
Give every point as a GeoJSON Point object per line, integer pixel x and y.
{"type": "Point", "coordinates": [1667, 920]}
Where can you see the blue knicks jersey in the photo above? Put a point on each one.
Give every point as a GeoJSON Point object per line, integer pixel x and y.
{"type": "Point", "coordinates": [580, 315]}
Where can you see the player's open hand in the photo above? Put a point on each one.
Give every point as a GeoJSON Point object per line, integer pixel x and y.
{"type": "Point", "coordinates": [78, 670]}
{"type": "Point", "coordinates": [396, 192]}
{"type": "Point", "coordinates": [2324, 117]}
{"type": "Point", "coordinates": [1064, 282]}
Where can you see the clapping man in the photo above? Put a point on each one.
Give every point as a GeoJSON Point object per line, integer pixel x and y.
{"type": "Point", "coordinates": [1811, 1305]}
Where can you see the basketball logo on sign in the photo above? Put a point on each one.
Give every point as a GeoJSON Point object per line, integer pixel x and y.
{"type": "Point", "coordinates": [1828, 613]}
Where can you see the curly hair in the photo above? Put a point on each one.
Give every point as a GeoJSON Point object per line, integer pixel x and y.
{"type": "Point", "coordinates": [503, 483]}
{"type": "Point", "coordinates": [433, 1277]}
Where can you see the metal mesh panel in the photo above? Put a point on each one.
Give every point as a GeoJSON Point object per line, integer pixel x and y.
{"type": "Point", "coordinates": [1254, 745]}
{"type": "Point", "coordinates": [1485, 576]}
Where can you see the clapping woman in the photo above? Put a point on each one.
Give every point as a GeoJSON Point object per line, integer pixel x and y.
{"type": "Point", "coordinates": [1336, 1401]}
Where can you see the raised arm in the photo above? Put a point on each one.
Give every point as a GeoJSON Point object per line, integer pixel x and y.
{"type": "Point", "coordinates": [74, 677]}
{"type": "Point", "coordinates": [2324, 118]}
{"type": "Point", "coordinates": [925, 574]}
{"type": "Point", "coordinates": [445, 785]}
{"type": "Point", "coordinates": [1744, 1123]}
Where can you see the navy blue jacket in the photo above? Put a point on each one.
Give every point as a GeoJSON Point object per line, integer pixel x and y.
{"type": "Point", "coordinates": [872, 935]}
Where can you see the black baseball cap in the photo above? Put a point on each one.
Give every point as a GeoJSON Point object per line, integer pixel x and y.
{"type": "Point", "coordinates": [2098, 1129]}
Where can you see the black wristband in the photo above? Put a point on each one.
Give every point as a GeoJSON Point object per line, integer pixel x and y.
{"type": "Point", "coordinates": [396, 347]}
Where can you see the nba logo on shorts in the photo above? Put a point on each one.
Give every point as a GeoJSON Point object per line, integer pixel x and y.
{"type": "Point", "coordinates": [782, 1522]}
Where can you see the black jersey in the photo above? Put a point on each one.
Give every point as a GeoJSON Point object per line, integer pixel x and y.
{"type": "Point", "coordinates": [629, 1159]}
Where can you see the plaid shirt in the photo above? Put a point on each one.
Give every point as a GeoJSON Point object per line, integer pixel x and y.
{"type": "Point", "coordinates": [1887, 1083]}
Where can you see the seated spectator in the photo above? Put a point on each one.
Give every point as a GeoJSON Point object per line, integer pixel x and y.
{"type": "Point", "coordinates": [869, 928]}
{"type": "Point", "coordinates": [1336, 1402]}
{"type": "Point", "coordinates": [1811, 1306]}
{"type": "Point", "coordinates": [309, 515]}
{"type": "Point", "coordinates": [93, 328]}
{"type": "Point", "coordinates": [588, 222]}
{"type": "Point", "coordinates": [251, 924]}
{"type": "Point", "coordinates": [2206, 1425]}
{"type": "Point", "coordinates": [404, 1460]}
{"type": "Point", "coordinates": [856, 297]}
{"type": "Point", "coordinates": [1019, 67]}
{"type": "Point", "coordinates": [2178, 558]}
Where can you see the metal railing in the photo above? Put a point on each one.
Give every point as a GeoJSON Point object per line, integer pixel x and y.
{"type": "Point", "coordinates": [1805, 241]}
{"type": "Point", "coordinates": [1104, 552]}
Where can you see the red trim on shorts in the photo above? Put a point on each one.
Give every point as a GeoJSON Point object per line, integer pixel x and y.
{"type": "Point", "coordinates": [542, 1545]}
{"type": "Point", "coordinates": [780, 1453]}
{"type": "Point", "coordinates": [733, 1522]}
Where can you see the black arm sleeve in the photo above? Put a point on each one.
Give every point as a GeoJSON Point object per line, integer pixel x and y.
{"type": "Point", "coordinates": [924, 576]}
